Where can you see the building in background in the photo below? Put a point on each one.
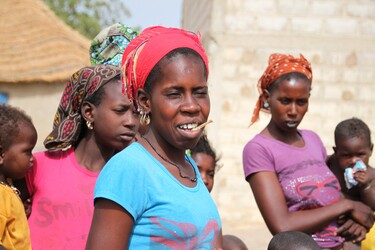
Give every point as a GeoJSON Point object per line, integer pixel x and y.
{"type": "Point", "coordinates": [38, 54]}
{"type": "Point", "coordinates": [338, 37]}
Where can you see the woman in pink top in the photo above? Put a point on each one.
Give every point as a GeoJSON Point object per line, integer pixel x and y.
{"type": "Point", "coordinates": [93, 121]}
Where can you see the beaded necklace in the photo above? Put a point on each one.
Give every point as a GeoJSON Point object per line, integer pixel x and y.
{"type": "Point", "coordinates": [174, 164]}
{"type": "Point", "coordinates": [15, 190]}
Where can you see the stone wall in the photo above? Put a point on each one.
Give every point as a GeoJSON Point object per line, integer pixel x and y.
{"type": "Point", "coordinates": [337, 37]}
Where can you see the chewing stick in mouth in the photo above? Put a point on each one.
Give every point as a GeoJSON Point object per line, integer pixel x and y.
{"type": "Point", "coordinates": [202, 125]}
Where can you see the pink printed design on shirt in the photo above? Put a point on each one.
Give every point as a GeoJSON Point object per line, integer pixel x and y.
{"type": "Point", "coordinates": [312, 189]}
{"type": "Point", "coordinates": [177, 235]}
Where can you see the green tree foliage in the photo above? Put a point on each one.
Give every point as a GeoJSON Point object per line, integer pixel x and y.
{"type": "Point", "coordinates": [89, 16]}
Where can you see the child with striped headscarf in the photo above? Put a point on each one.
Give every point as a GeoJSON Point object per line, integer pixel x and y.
{"type": "Point", "coordinates": [286, 166]}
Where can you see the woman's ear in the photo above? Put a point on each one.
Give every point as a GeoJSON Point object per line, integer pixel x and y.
{"type": "Point", "coordinates": [88, 111]}
{"type": "Point", "coordinates": [143, 100]}
{"type": "Point", "coordinates": [266, 97]}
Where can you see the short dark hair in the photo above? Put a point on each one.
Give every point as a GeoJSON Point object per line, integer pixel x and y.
{"type": "Point", "coordinates": [351, 128]}
{"type": "Point", "coordinates": [9, 118]}
{"type": "Point", "coordinates": [292, 240]}
{"type": "Point", "coordinates": [204, 146]}
{"type": "Point", "coordinates": [156, 73]}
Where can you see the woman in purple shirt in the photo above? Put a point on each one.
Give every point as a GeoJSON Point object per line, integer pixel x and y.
{"type": "Point", "coordinates": [286, 168]}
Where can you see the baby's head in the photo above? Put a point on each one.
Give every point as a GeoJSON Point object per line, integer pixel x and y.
{"type": "Point", "coordinates": [205, 157]}
{"type": "Point", "coordinates": [352, 142]}
{"type": "Point", "coordinates": [17, 140]}
{"type": "Point", "coordinates": [292, 240]}
{"type": "Point", "coordinates": [232, 242]}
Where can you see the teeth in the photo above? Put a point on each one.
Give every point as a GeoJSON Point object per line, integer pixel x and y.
{"type": "Point", "coordinates": [188, 126]}
{"type": "Point", "coordinates": [291, 124]}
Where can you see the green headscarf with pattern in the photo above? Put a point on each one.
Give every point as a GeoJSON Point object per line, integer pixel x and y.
{"type": "Point", "coordinates": [108, 46]}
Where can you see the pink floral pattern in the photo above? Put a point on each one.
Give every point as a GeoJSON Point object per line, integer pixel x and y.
{"type": "Point", "coordinates": [178, 235]}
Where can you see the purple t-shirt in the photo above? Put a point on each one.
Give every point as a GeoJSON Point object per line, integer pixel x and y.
{"type": "Point", "coordinates": [303, 175]}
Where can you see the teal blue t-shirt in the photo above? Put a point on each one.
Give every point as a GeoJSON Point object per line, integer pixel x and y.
{"type": "Point", "coordinates": [167, 214]}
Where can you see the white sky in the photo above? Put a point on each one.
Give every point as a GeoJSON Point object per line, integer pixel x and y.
{"type": "Point", "coordinates": [153, 12]}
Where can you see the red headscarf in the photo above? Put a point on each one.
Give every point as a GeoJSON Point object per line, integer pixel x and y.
{"type": "Point", "coordinates": [278, 65]}
{"type": "Point", "coordinates": [148, 48]}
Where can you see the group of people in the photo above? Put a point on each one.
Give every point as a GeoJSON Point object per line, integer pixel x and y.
{"type": "Point", "coordinates": [128, 164]}
{"type": "Point", "coordinates": [143, 113]}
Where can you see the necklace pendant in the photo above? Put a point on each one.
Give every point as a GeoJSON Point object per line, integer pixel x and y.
{"type": "Point", "coordinates": [192, 179]}
{"type": "Point", "coordinates": [15, 190]}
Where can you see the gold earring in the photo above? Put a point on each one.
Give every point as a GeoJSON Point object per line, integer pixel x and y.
{"type": "Point", "coordinates": [144, 119]}
{"type": "Point", "coordinates": [89, 125]}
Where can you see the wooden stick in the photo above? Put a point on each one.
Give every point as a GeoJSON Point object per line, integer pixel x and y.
{"type": "Point", "coordinates": [202, 125]}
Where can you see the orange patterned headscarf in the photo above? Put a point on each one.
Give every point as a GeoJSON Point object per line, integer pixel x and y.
{"type": "Point", "coordinates": [278, 65]}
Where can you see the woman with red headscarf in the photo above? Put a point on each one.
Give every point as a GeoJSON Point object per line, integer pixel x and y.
{"type": "Point", "coordinates": [286, 168]}
{"type": "Point", "coordinates": [150, 195]}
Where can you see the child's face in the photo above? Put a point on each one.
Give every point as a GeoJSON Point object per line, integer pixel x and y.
{"type": "Point", "coordinates": [115, 123]}
{"type": "Point", "coordinates": [206, 165]}
{"type": "Point", "coordinates": [350, 150]}
{"type": "Point", "coordinates": [288, 103]}
{"type": "Point", "coordinates": [18, 158]}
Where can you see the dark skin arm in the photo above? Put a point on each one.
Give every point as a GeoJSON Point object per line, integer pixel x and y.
{"type": "Point", "coordinates": [111, 227]}
{"type": "Point", "coordinates": [351, 230]}
{"type": "Point", "coordinates": [271, 202]}
{"type": "Point", "coordinates": [366, 186]}
{"type": "Point", "coordinates": [219, 243]}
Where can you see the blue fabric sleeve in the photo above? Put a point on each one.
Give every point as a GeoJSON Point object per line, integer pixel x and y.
{"type": "Point", "coordinates": [121, 181]}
